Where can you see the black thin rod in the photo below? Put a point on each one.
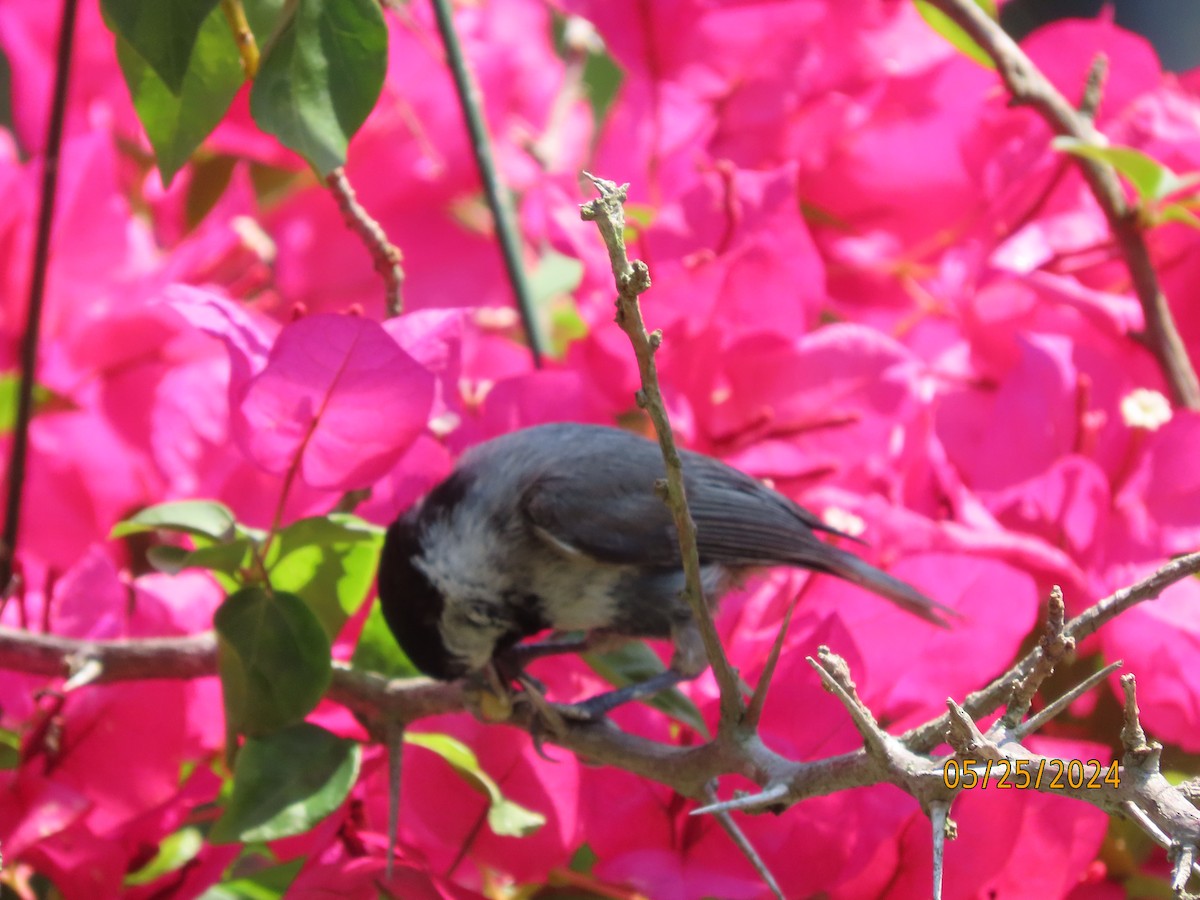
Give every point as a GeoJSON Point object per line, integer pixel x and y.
{"type": "Point", "coordinates": [506, 227]}
{"type": "Point", "coordinates": [37, 293]}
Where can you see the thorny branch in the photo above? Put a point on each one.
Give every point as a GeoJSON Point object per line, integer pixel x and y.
{"type": "Point", "coordinates": [1028, 86]}
{"type": "Point", "coordinates": [633, 279]}
{"type": "Point", "coordinates": [1143, 794]}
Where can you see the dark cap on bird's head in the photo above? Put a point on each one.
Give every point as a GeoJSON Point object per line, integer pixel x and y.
{"type": "Point", "coordinates": [411, 605]}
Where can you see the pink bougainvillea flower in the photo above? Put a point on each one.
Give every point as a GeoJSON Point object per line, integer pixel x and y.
{"type": "Point", "coordinates": [338, 399]}
{"type": "Point", "coordinates": [333, 396]}
{"type": "Point", "coordinates": [1159, 641]}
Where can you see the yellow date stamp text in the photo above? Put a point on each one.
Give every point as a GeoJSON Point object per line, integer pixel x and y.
{"type": "Point", "coordinates": [1025, 774]}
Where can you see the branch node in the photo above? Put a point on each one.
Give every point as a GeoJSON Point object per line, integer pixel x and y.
{"type": "Point", "coordinates": [1093, 88]}
{"type": "Point", "coordinates": [835, 675]}
{"type": "Point", "coordinates": [963, 734]}
{"type": "Point", "coordinates": [1139, 752]}
{"type": "Point", "coordinates": [1056, 645]}
{"type": "Point", "coordinates": [1033, 723]}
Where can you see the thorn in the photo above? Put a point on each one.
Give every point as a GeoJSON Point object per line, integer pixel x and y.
{"type": "Point", "coordinates": [763, 798]}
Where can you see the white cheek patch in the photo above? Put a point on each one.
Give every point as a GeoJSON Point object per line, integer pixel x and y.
{"type": "Point", "coordinates": [459, 559]}
{"type": "Point", "coordinates": [455, 557]}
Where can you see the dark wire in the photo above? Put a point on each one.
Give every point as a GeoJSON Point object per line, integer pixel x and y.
{"type": "Point", "coordinates": [37, 292]}
{"type": "Point", "coordinates": [502, 214]}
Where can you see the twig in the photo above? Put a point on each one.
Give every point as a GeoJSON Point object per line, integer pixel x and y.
{"type": "Point", "coordinates": [984, 701]}
{"type": "Point", "coordinates": [1162, 809]}
{"type": "Point", "coordinates": [1034, 722]}
{"type": "Point", "coordinates": [235, 15]}
{"type": "Point", "coordinates": [37, 295]}
{"type": "Point", "coordinates": [1133, 737]}
{"type": "Point", "coordinates": [386, 255]}
{"type": "Point", "coordinates": [632, 279]}
{"type": "Point", "coordinates": [497, 197]}
{"type": "Point", "coordinates": [759, 698]}
{"type": "Point", "coordinates": [835, 675]}
{"type": "Point", "coordinates": [1029, 86]}
{"type": "Point", "coordinates": [1055, 645]}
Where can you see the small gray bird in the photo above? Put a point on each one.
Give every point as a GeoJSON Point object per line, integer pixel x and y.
{"type": "Point", "coordinates": [559, 526]}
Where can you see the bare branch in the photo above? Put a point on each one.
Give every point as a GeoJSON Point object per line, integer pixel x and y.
{"type": "Point", "coordinates": [1055, 645]}
{"type": "Point", "coordinates": [1033, 723]}
{"type": "Point", "coordinates": [986, 700]}
{"type": "Point", "coordinates": [632, 279]}
{"type": "Point", "coordinates": [1030, 87]}
{"type": "Point", "coordinates": [386, 255]}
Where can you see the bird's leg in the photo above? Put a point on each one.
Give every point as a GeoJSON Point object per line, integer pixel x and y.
{"type": "Point", "coordinates": [688, 661]}
{"type": "Point", "coordinates": [598, 640]}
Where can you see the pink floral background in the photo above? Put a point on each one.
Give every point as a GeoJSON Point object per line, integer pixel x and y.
{"type": "Point", "coordinates": [879, 287]}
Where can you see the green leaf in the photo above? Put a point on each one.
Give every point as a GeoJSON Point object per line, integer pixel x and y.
{"type": "Point", "coordinates": [504, 817]}
{"type": "Point", "coordinates": [178, 118]}
{"type": "Point", "coordinates": [206, 518]}
{"type": "Point", "coordinates": [959, 39]}
{"type": "Point", "coordinates": [174, 852]}
{"type": "Point", "coordinates": [551, 285]}
{"type": "Point", "coordinates": [264, 17]}
{"type": "Point", "coordinates": [227, 559]}
{"type": "Point", "coordinates": [320, 76]}
{"type": "Point", "coordinates": [160, 32]}
{"type": "Point", "coordinates": [329, 561]}
{"type": "Point", "coordinates": [273, 659]}
{"type": "Point", "coordinates": [286, 783]}
{"type": "Point", "coordinates": [270, 883]}
{"type": "Point", "coordinates": [377, 650]}
{"type": "Point", "coordinates": [1177, 212]}
{"type": "Point", "coordinates": [634, 662]}
{"type": "Point", "coordinates": [10, 749]}
{"type": "Point", "coordinates": [1150, 179]}
{"type": "Point", "coordinates": [44, 400]}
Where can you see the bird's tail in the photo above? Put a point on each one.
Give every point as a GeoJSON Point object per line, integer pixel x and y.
{"type": "Point", "coordinates": [850, 567]}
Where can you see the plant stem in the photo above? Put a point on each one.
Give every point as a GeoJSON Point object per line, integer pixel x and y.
{"type": "Point", "coordinates": [37, 293]}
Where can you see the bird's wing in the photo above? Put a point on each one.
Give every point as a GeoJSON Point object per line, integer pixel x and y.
{"type": "Point", "coordinates": [602, 504]}
{"type": "Point", "coordinates": [605, 507]}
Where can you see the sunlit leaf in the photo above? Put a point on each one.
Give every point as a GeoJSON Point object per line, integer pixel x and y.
{"type": "Point", "coordinates": [162, 33]}
{"type": "Point", "coordinates": [1150, 179]}
{"type": "Point", "coordinates": [329, 561]}
{"type": "Point", "coordinates": [174, 852]}
{"type": "Point", "coordinates": [200, 517]}
{"type": "Point", "coordinates": [504, 816]}
{"type": "Point", "coordinates": [178, 118]}
{"type": "Point", "coordinates": [320, 76]}
{"type": "Point", "coordinates": [377, 650]}
{"type": "Point", "coordinates": [949, 29]}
